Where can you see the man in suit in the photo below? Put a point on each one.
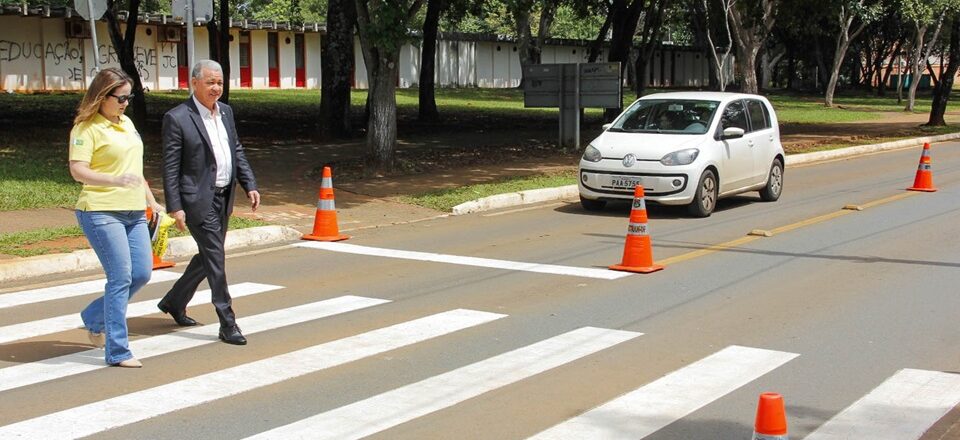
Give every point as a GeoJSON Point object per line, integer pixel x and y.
{"type": "Point", "coordinates": [203, 161]}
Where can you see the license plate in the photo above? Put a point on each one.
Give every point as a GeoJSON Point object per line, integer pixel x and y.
{"type": "Point", "coordinates": [626, 182]}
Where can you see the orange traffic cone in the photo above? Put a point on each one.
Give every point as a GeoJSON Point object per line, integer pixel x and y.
{"type": "Point", "coordinates": [157, 262]}
{"type": "Point", "coordinates": [325, 221]}
{"type": "Point", "coordinates": [924, 179]}
{"type": "Point", "coordinates": [637, 252]}
{"type": "Point", "coordinates": [771, 421]}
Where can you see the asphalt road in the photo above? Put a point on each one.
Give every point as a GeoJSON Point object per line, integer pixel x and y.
{"type": "Point", "coordinates": [437, 329]}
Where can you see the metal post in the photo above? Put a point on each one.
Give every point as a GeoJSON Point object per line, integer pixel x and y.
{"type": "Point", "coordinates": [189, 19]}
{"type": "Point", "coordinates": [93, 38]}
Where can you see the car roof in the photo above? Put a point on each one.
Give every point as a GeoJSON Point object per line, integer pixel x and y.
{"type": "Point", "coordinates": [702, 95]}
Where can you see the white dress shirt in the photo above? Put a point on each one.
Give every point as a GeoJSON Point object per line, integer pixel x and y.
{"type": "Point", "coordinates": [217, 132]}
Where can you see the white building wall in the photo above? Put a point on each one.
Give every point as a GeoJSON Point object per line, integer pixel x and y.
{"type": "Point", "coordinates": [21, 52]}
{"type": "Point", "coordinates": [201, 48]}
{"type": "Point", "coordinates": [501, 65]}
{"type": "Point", "coordinates": [409, 66]}
{"type": "Point", "coordinates": [516, 71]}
{"type": "Point", "coordinates": [287, 62]}
{"type": "Point", "coordinates": [63, 57]}
{"type": "Point", "coordinates": [259, 69]}
{"type": "Point", "coordinates": [312, 60]}
{"type": "Point", "coordinates": [234, 58]}
{"type": "Point", "coordinates": [360, 68]}
{"type": "Point", "coordinates": [467, 70]}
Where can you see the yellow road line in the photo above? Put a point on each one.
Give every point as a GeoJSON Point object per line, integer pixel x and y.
{"type": "Point", "coordinates": [747, 239]}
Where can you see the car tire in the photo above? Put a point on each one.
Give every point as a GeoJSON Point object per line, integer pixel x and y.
{"type": "Point", "coordinates": [771, 191]}
{"type": "Point", "coordinates": [592, 205]}
{"type": "Point", "coordinates": [705, 199]}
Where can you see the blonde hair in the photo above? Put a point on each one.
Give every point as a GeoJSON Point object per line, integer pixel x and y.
{"type": "Point", "coordinates": [104, 83]}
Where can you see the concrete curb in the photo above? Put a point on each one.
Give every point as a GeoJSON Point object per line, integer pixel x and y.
{"type": "Point", "coordinates": [818, 156]}
{"type": "Point", "coordinates": [515, 199]}
{"type": "Point", "coordinates": [178, 248]}
{"type": "Point", "coordinates": [570, 191]}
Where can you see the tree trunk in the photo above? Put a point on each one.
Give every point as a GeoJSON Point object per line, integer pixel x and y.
{"type": "Point", "coordinates": [526, 47]}
{"type": "Point", "coordinates": [337, 61]}
{"type": "Point", "coordinates": [596, 47]}
{"type": "Point", "coordinates": [124, 44]}
{"type": "Point", "coordinates": [427, 110]}
{"type": "Point", "coordinates": [941, 94]}
{"type": "Point", "coordinates": [841, 50]}
{"type": "Point", "coordinates": [748, 65]}
{"type": "Point", "coordinates": [382, 126]}
{"type": "Point", "coordinates": [749, 38]}
{"type": "Point", "coordinates": [624, 20]}
{"type": "Point", "coordinates": [919, 56]}
{"type": "Point", "coordinates": [224, 41]}
{"type": "Point", "coordinates": [915, 60]}
{"type": "Point", "coordinates": [835, 72]}
{"type": "Point", "coordinates": [894, 56]}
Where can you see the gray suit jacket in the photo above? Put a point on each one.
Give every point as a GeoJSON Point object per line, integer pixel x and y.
{"type": "Point", "coordinates": [189, 166]}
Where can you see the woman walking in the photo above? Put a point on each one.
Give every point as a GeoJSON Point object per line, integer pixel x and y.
{"type": "Point", "coordinates": [106, 156]}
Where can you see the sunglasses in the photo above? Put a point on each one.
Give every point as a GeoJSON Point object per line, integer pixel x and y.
{"type": "Point", "coordinates": [121, 99]}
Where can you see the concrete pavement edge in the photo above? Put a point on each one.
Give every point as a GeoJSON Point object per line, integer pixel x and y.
{"type": "Point", "coordinates": [507, 200]}
{"type": "Point", "coordinates": [178, 248]}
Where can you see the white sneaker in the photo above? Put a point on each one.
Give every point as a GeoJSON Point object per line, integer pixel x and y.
{"type": "Point", "coordinates": [129, 363]}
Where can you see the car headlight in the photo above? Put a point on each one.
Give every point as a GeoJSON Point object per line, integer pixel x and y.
{"type": "Point", "coordinates": [682, 157]}
{"type": "Point", "coordinates": [592, 154]}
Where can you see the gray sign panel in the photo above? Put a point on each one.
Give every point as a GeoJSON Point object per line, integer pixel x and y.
{"type": "Point", "coordinates": [83, 8]}
{"type": "Point", "coordinates": [202, 9]}
{"type": "Point", "coordinates": [599, 85]}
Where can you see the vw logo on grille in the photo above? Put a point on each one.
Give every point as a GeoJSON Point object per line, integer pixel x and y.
{"type": "Point", "coordinates": [629, 160]}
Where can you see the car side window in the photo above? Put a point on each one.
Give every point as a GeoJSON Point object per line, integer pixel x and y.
{"type": "Point", "coordinates": [734, 115]}
{"type": "Point", "coordinates": [759, 118]}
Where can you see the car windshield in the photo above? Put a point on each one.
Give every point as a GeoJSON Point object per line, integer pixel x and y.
{"type": "Point", "coordinates": [671, 116]}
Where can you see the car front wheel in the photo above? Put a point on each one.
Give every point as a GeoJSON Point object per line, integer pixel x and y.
{"type": "Point", "coordinates": [592, 205]}
{"type": "Point", "coordinates": [771, 192]}
{"type": "Point", "coordinates": [705, 199]}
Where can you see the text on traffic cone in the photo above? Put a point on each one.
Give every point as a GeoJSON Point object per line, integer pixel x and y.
{"type": "Point", "coordinates": [637, 251]}
{"type": "Point", "coordinates": [154, 226]}
{"type": "Point", "coordinates": [325, 221]}
{"type": "Point", "coordinates": [924, 179]}
{"type": "Point", "coordinates": [771, 421]}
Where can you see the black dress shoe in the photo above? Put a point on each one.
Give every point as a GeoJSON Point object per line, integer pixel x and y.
{"type": "Point", "coordinates": [232, 335]}
{"type": "Point", "coordinates": [180, 316]}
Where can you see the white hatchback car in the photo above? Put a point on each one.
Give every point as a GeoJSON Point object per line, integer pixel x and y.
{"type": "Point", "coordinates": [686, 148]}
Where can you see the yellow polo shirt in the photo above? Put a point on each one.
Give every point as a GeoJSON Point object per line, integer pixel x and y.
{"type": "Point", "coordinates": [113, 149]}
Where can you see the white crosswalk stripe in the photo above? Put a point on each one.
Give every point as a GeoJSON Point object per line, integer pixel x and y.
{"type": "Point", "coordinates": [377, 413]}
{"type": "Point", "coordinates": [66, 322]}
{"type": "Point", "coordinates": [76, 363]}
{"type": "Point", "coordinates": [466, 261]}
{"type": "Point", "coordinates": [902, 407]}
{"type": "Point", "coordinates": [651, 407]}
{"type": "Point", "coordinates": [32, 296]}
{"type": "Point", "coordinates": [119, 411]}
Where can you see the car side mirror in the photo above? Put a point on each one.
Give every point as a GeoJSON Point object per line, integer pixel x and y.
{"type": "Point", "coordinates": [606, 127]}
{"type": "Point", "coordinates": [732, 133]}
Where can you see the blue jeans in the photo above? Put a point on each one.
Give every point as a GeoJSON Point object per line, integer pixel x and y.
{"type": "Point", "coordinates": [122, 244]}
